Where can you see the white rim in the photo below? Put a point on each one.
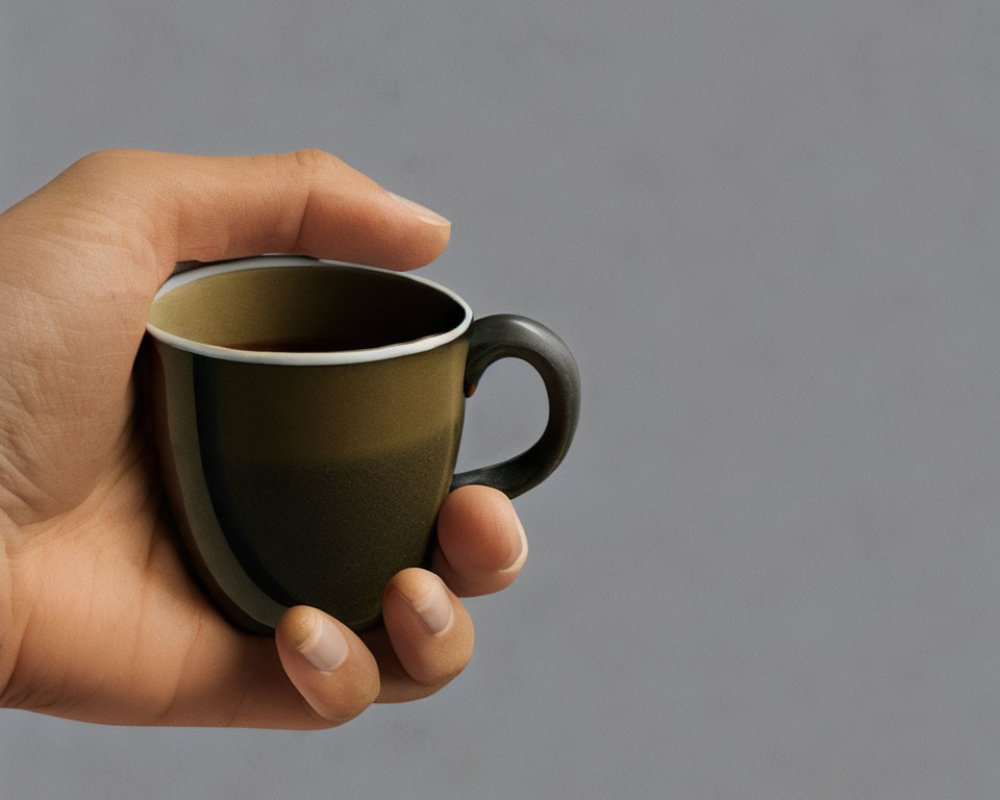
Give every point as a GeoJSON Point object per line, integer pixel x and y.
{"type": "Point", "coordinates": [325, 358]}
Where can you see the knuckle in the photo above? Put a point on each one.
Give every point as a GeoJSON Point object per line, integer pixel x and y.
{"type": "Point", "coordinates": [101, 162]}
{"type": "Point", "coordinates": [313, 160]}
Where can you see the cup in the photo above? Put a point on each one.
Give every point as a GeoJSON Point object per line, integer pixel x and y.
{"type": "Point", "coordinates": [308, 417]}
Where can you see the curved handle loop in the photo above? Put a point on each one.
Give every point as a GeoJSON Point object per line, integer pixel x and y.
{"type": "Point", "coordinates": [511, 336]}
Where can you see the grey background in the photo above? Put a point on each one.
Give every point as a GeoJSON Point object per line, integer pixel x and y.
{"type": "Point", "coordinates": [768, 568]}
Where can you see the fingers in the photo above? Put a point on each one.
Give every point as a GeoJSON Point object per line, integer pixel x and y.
{"type": "Point", "coordinates": [427, 638]}
{"type": "Point", "coordinates": [481, 542]}
{"type": "Point", "coordinates": [211, 208]}
{"type": "Point", "coordinates": [329, 666]}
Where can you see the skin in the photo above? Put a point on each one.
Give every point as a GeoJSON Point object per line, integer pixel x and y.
{"type": "Point", "coordinates": [99, 619]}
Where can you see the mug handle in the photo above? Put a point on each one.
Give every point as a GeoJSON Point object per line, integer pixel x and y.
{"type": "Point", "coordinates": [511, 336]}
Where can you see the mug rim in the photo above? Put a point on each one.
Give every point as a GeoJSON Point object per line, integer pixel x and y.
{"type": "Point", "coordinates": [323, 358]}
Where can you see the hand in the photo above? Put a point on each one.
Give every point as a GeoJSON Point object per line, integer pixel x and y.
{"type": "Point", "coordinates": [99, 619]}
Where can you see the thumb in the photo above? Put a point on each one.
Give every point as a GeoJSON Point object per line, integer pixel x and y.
{"type": "Point", "coordinates": [208, 208]}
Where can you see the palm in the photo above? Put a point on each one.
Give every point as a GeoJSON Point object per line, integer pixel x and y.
{"type": "Point", "coordinates": [116, 614]}
{"type": "Point", "coordinates": [117, 617]}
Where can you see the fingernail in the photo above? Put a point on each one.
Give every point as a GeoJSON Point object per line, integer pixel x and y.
{"type": "Point", "coordinates": [434, 608]}
{"type": "Point", "coordinates": [325, 646]}
{"type": "Point", "coordinates": [522, 554]}
{"type": "Point", "coordinates": [422, 212]}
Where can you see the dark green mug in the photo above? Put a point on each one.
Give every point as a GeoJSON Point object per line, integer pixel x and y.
{"type": "Point", "coordinates": [308, 417]}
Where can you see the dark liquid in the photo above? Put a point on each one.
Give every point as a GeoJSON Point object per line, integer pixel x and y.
{"type": "Point", "coordinates": [310, 344]}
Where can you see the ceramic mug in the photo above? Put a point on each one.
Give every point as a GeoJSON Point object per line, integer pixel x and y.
{"type": "Point", "coordinates": [308, 417]}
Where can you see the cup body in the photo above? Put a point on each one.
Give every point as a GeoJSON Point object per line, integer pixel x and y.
{"type": "Point", "coordinates": [305, 476]}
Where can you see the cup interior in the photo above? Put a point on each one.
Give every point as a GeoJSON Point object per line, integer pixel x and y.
{"type": "Point", "coordinates": [262, 307]}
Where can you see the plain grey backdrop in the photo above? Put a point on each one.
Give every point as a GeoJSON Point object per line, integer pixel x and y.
{"type": "Point", "coordinates": [769, 231]}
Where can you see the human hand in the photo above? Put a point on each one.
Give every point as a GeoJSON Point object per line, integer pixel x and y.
{"type": "Point", "coordinates": [99, 619]}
